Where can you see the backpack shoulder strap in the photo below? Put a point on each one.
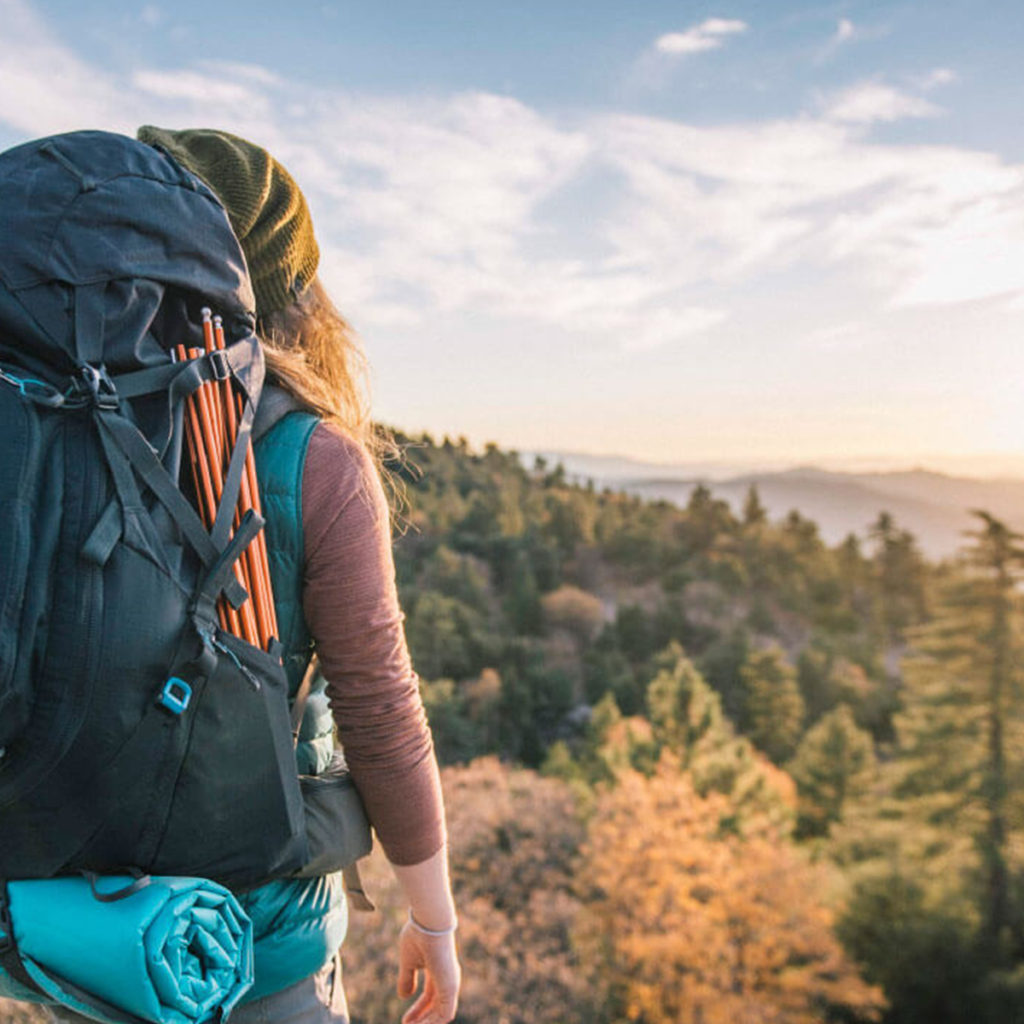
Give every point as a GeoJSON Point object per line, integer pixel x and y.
{"type": "Point", "coordinates": [275, 404]}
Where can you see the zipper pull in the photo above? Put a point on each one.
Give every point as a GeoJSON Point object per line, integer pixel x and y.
{"type": "Point", "coordinates": [221, 646]}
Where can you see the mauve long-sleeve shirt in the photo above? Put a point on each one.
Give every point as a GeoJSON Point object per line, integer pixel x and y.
{"type": "Point", "coordinates": [351, 606]}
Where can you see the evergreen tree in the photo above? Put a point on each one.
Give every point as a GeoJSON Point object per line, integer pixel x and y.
{"type": "Point", "coordinates": [754, 512]}
{"type": "Point", "coordinates": [899, 575]}
{"type": "Point", "coordinates": [687, 722]}
{"type": "Point", "coordinates": [834, 763]}
{"type": "Point", "coordinates": [773, 707]}
{"type": "Point", "coordinates": [607, 670]}
{"type": "Point", "coordinates": [522, 604]}
{"type": "Point", "coordinates": [707, 517]}
{"type": "Point", "coordinates": [963, 714]}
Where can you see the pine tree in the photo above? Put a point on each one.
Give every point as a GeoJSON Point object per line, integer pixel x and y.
{"type": "Point", "coordinates": [899, 575]}
{"type": "Point", "coordinates": [687, 722]}
{"type": "Point", "coordinates": [754, 512]}
{"type": "Point", "coordinates": [1000, 559]}
{"type": "Point", "coordinates": [960, 753]}
{"type": "Point", "coordinates": [834, 763]}
{"type": "Point", "coordinates": [773, 707]}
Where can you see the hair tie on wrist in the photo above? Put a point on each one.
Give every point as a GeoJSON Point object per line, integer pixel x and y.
{"type": "Point", "coordinates": [432, 933]}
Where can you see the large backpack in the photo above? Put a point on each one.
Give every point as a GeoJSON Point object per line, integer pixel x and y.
{"type": "Point", "coordinates": [108, 578]}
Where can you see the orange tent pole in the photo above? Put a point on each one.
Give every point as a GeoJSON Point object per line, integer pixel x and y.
{"type": "Point", "coordinates": [250, 498]}
{"type": "Point", "coordinates": [210, 435]}
{"type": "Point", "coordinates": [203, 480]}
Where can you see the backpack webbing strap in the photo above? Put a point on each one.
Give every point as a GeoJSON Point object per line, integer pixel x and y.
{"type": "Point", "coordinates": [221, 574]}
{"type": "Point", "coordinates": [221, 528]}
{"type": "Point", "coordinates": [301, 697]}
{"type": "Point", "coordinates": [354, 889]}
{"type": "Point", "coordinates": [143, 459]}
{"type": "Point", "coordinates": [181, 379]}
{"type": "Point", "coordinates": [275, 404]}
{"type": "Point", "coordinates": [10, 958]}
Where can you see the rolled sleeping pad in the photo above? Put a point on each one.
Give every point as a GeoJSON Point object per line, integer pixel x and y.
{"type": "Point", "coordinates": [172, 951]}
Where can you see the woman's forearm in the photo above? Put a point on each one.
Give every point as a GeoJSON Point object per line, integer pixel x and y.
{"type": "Point", "coordinates": [428, 891]}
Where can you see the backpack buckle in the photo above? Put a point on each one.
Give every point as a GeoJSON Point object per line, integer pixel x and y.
{"type": "Point", "coordinates": [175, 695]}
{"type": "Point", "coordinates": [95, 385]}
{"type": "Point", "coordinates": [218, 360]}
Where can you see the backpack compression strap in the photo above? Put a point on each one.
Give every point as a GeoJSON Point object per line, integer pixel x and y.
{"type": "Point", "coordinates": [10, 958]}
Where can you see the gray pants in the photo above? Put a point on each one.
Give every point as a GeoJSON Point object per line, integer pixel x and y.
{"type": "Point", "coordinates": [319, 999]}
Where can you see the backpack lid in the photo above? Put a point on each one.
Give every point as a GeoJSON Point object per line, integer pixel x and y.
{"type": "Point", "coordinates": [90, 208]}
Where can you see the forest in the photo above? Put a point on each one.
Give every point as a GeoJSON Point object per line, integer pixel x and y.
{"type": "Point", "coordinates": [702, 767]}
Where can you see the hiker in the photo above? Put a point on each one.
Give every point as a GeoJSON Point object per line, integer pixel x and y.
{"type": "Point", "coordinates": [342, 590]}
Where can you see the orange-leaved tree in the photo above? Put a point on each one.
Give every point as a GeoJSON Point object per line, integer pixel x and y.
{"type": "Point", "coordinates": [690, 925]}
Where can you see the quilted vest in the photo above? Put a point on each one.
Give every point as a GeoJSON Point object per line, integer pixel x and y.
{"type": "Point", "coordinates": [298, 924]}
{"type": "Point", "coordinates": [280, 462]}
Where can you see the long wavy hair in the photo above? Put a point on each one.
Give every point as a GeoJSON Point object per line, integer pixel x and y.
{"type": "Point", "coordinates": [313, 353]}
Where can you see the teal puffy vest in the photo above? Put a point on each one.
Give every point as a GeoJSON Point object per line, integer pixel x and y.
{"type": "Point", "coordinates": [298, 924]}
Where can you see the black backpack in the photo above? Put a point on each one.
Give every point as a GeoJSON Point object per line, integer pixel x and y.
{"type": "Point", "coordinates": [133, 731]}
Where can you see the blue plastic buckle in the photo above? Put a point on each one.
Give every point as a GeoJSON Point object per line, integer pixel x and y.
{"type": "Point", "coordinates": [175, 695]}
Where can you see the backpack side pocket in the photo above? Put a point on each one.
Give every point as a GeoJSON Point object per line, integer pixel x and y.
{"type": "Point", "coordinates": [337, 828]}
{"type": "Point", "coordinates": [19, 470]}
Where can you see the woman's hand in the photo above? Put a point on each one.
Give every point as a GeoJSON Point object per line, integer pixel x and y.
{"type": "Point", "coordinates": [436, 957]}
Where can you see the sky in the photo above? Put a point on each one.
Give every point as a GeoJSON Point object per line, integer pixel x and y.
{"type": "Point", "coordinates": [744, 232]}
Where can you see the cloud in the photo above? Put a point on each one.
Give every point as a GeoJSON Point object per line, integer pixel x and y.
{"type": "Point", "coordinates": [708, 35]}
{"type": "Point", "coordinates": [44, 86]}
{"type": "Point", "coordinates": [870, 102]}
{"type": "Point", "coordinates": [480, 206]}
{"type": "Point", "coordinates": [845, 34]}
{"type": "Point", "coordinates": [936, 78]}
{"type": "Point", "coordinates": [845, 31]}
{"type": "Point", "coordinates": [193, 86]}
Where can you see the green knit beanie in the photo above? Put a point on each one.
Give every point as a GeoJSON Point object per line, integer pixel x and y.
{"type": "Point", "coordinates": [267, 210]}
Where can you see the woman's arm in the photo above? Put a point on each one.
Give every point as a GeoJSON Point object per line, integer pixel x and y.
{"type": "Point", "coordinates": [427, 942]}
{"type": "Point", "coordinates": [351, 605]}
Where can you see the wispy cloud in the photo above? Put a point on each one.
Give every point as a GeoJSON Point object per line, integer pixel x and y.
{"type": "Point", "coordinates": [193, 86]}
{"type": "Point", "coordinates": [869, 102]}
{"type": "Point", "coordinates": [708, 35]}
{"type": "Point", "coordinates": [475, 204]}
{"type": "Point", "coordinates": [844, 35]}
{"type": "Point", "coordinates": [845, 32]}
{"type": "Point", "coordinates": [44, 86]}
{"type": "Point", "coordinates": [935, 78]}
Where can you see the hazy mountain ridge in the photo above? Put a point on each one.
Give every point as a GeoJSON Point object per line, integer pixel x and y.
{"type": "Point", "coordinates": [934, 506]}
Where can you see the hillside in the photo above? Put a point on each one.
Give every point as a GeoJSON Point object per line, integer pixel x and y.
{"type": "Point", "coordinates": [935, 507]}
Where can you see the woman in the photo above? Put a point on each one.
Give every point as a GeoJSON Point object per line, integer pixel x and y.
{"type": "Point", "coordinates": [346, 609]}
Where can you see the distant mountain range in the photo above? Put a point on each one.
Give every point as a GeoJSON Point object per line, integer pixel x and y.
{"type": "Point", "coordinates": [935, 507]}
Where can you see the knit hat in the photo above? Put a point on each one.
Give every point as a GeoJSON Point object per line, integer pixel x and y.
{"type": "Point", "coordinates": [267, 210]}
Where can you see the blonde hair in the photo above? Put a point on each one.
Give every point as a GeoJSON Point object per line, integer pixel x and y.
{"type": "Point", "coordinates": [313, 353]}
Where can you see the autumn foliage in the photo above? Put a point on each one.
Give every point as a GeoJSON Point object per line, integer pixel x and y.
{"type": "Point", "coordinates": [691, 926]}
{"type": "Point", "coordinates": [633, 907]}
